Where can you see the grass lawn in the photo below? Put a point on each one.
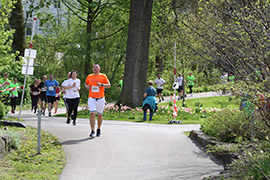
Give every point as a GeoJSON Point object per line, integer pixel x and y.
{"type": "Point", "coordinates": [189, 115]}
{"type": "Point", "coordinates": [218, 102]}
{"type": "Point", "coordinates": [23, 162]}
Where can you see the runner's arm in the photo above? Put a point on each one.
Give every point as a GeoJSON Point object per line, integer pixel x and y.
{"type": "Point", "coordinates": [87, 86]}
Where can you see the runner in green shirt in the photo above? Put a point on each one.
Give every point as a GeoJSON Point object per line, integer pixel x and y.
{"type": "Point", "coordinates": [14, 94]}
{"type": "Point", "coordinates": [120, 85]}
{"type": "Point", "coordinates": [4, 84]}
{"type": "Point", "coordinates": [231, 78]}
{"type": "Point", "coordinates": [190, 79]}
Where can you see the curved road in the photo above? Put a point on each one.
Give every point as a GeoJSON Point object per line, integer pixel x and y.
{"type": "Point", "coordinates": [128, 151]}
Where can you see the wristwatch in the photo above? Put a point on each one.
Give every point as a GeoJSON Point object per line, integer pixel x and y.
{"type": "Point", "coordinates": [101, 84]}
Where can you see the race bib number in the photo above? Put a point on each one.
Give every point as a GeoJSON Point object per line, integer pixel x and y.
{"type": "Point", "coordinates": [43, 89]}
{"type": "Point", "coordinates": [57, 94]}
{"type": "Point", "coordinates": [95, 89]}
{"type": "Point", "coordinates": [35, 93]}
{"type": "Point", "coordinates": [158, 85]}
{"type": "Point", "coordinates": [74, 91]}
{"type": "Point", "coordinates": [51, 88]}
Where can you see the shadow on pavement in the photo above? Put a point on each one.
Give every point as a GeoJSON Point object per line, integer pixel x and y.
{"type": "Point", "coordinates": [71, 142]}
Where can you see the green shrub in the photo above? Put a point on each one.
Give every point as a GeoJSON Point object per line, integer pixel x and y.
{"type": "Point", "coordinates": [234, 126]}
{"type": "Point", "coordinates": [227, 125]}
{"type": "Point", "coordinates": [2, 110]}
{"type": "Point", "coordinates": [15, 138]}
{"type": "Point", "coordinates": [254, 163]}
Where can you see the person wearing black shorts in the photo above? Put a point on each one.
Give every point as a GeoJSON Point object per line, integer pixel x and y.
{"type": "Point", "coordinates": [51, 84]}
{"type": "Point", "coordinates": [180, 80]}
{"type": "Point", "coordinates": [159, 84]}
{"type": "Point", "coordinates": [42, 96]}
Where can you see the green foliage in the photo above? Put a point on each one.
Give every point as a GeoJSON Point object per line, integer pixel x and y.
{"type": "Point", "coordinates": [15, 138]}
{"type": "Point", "coordinates": [24, 162]}
{"type": "Point", "coordinates": [227, 125]}
{"type": "Point", "coordinates": [254, 163]}
{"type": "Point", "coordinates": [2, 110]}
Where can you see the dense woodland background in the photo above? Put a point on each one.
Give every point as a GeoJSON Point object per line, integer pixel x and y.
{"type": "Point", "coordinates": [136, 38]}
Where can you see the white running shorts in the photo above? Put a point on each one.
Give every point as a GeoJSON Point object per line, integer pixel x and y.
{"type": "Point", "coordinates": [96, 105]}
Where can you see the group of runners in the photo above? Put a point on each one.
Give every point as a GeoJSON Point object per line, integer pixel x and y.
{"type": "Point", "coordinates": [48, 91]}
{"type": "Point", "coordinates": [180, 85]}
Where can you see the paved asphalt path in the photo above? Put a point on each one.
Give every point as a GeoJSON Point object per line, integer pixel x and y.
{"type": "Point", "coordinates": [128, 151]}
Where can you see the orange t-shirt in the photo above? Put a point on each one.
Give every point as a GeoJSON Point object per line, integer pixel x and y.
{"type": "Point", "coordinates": [92, 80]}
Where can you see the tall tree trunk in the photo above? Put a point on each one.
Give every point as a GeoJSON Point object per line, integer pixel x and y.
{"type": "Point", "coordinates": [16, 22]}
{"type": "Point", "coordinates": [88, 42]}
{"type": "Point", "coordinates": [137, 53]}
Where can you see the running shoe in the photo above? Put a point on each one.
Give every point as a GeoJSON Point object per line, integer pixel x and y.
{"type": "Point", "coordinates": [68, 120]}
{"type": "Point", "coordinates": [92, 134]}
{"type": "Point", "coordinates": [50, 114]}
{"type": "Point", "coordinates": [162, 99]}
{"type": "Point", "coordinates": [43, 113]}
{"type": "Point", "coordinates": [74, 122]}
{"type": "Point", "coordinates": [98, 132]}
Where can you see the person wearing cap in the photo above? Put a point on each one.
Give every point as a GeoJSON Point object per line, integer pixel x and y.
{"type": "Point", "coordinates": [179, 80]}
{"type": "Point", "coordinates": [149, 101]}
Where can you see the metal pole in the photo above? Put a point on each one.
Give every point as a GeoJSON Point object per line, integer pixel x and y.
{"type": "Point", "coordinates": [39, 132]}
{"type": "Point", "coordinates": [174, 74]}
{"type": "Point", "coordinates": [26, 71]}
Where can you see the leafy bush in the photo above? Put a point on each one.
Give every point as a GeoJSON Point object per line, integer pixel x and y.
{"type": "Point", "coordinates": [255, 162]}
{"type": "Point", "coordinates": [15, 138]}
{"type": "Point", "coordinates": [227, 125]}
{"type": "Point", "coordinates": [234, 126]}
{"type": "Point", "coordinates": [2, 110]}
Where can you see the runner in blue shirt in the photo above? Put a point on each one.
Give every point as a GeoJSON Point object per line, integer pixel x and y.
{"type": "Point", "coordinates": [51, 84]}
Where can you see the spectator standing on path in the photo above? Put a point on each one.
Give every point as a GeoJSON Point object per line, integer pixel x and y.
{"type": "Point", "coordinates": [180, 80]}
{"type": "Point", "coordinates": [159, 84]}
{"type": "Point", "coordinates": [120, 85]}
{"type": "Point", "coordinates": [14, 94]}
{"type": "Point", "coordinates": [4, 84]}
{"type": "Point", "coordinates": [51, 84]}
{"type": "Point", "coordinates": [72, 87]}
{"type": "Point", "coordinates": [42, 96]}
{"type": "Point", "coordinates": [64, 93]}
{"type": "Point", "coordinates": [231, 78]}
{"type": "Point", "coordinates": [96, 83]}
{"type": "Point", "coordinates": [35, 91]}
{"type": "Point", "coordinates": [191, 80]}
{"type": "Point", "coordinates": [149, 101]}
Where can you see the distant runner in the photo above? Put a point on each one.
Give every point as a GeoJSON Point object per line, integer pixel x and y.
{"type": "Point", "coordinates": [14, 94]}
{"type": "Point", "coordinates": [4, 84]}
{"type": "Point", "coordinates": [190, 80]}
{"type": "Point", "coordinates": [35, 91]}
{"type": "Point", "coordinates": [72, 89]}
{"type": "Point", "coordinates": [159, 84]}
{"type": "Point", "coordinates": [179, 80]}
{"type": "Point", "coordinates": [96, 83]}
{"type": "Point", "coordinates": [42, 96]}
{"type": "Point", "coordinates": [64, 93]}
{"type": "Point", "coordinates": [51, 84]}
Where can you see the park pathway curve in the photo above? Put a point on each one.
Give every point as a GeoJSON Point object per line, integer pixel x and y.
{"type": "Point", "coordinates": [128, 151]}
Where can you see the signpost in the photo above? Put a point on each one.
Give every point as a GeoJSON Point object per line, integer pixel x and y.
{"type": "Point", "coordinates": [29, 54]}
{"type": "Point", "coordinates": [28, 69]}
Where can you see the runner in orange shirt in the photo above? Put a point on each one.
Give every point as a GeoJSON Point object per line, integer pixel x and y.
{"type": "Point", "coordinates": [96, 83]}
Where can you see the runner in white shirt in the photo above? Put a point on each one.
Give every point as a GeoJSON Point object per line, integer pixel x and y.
{"type": "Point", "coordinates": [159, 84]}
{"type": "Point", "coordinates": [72, 88]}
{"type": "Point", "coordinates": [179, 80]}
{"type": "Point", "coordinates": [64, 92]}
